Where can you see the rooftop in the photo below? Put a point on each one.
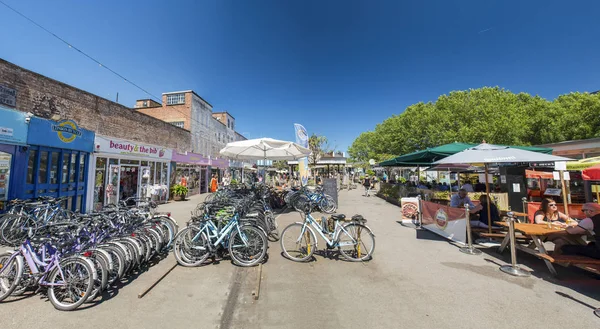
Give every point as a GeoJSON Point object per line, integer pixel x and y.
{"type": "Point", "coordinates": [188, 91]}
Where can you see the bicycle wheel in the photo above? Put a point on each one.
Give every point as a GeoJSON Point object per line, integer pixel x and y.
{"type": "Point", "coordinates": [328, 205]}
{"type": "Point", "coordinates": [73, 287]}
{"type": "Point", "coordinates": [356, 242]}
{"type": "Point", "coordinates": [247, 247]}
{"type": "Point", "coordinates": [11, 271]}
{"type": "Point", "coordinates": [191, 247]}
{"type": "Point", "coordinates": [273, 235]}
{"type": "Point", "coordinates": [118, 262]}
{"type": "Point", "coordinates": [297, 245]}
{"type": "Point", "coordinates": [101, 267]}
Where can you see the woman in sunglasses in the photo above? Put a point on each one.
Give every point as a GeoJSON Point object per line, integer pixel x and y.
{"type": "Point", "coordinates": [549, 213]}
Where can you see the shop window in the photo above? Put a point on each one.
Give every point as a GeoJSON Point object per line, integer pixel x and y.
{"type": "Point", "coordinates": [165, 169]}
{"type": "Point", "coordinates": [130, 162]}
{"type": "Point", "coordinates": [151, 173]}
{"type": "Point", "coordinates": [145, 163]}
{"type": "Point", "coordinates": [114, 161]}
{"type": "Point", "coordinates": [158, 173]}
{"type": "Point", "coordinates": [54, 168]}
{"type": "Point", "coordinates": [72, 167]}
{"type": "Point", "coordinates": [65, 168]}
{"type": "Point", "coordinates": [81, 167]}
{"type": "Point", "coordinates": [5, 160]}
{"type": "Point", "coordinates": [42, 173]}
{"type": "Point", "coordinates": [31, 166]}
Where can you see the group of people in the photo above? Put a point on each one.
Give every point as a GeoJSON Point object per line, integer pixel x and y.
{"type": "Point", "coordinates": [571, 241]}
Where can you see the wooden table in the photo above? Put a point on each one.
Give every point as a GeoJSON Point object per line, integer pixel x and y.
{"type": "Point", "coordinates": [518, 214]}
{"type": "Point", "coordinates": [536, 232]}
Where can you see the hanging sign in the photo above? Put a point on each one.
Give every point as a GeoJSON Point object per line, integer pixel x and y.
{"type": "Point", "coordinates": [8, 96]}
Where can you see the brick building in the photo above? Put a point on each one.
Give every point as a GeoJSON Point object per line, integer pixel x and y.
{"type": "Point", "coordinates": [79, 145]}
{"type": "Point", "coordinates": [211, 131]}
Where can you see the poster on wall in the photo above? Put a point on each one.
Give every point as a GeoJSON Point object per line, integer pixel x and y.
{"type": "Point", "coordinates": [445, 221]}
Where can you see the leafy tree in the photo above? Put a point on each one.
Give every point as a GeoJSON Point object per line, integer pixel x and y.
{"type": "Point", "coordinates": [319, 146]}
{"type": "Point", "coordinates": [493, 114]}
{"type": "Point", "coordinates": [280, 165]}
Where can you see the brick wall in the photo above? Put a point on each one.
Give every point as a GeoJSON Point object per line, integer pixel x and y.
{"type": "Point", "coordinates": [51, 99]}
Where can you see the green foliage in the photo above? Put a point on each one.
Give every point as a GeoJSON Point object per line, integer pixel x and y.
{"type": "Point", "coordinates": [370, 172]}
{"type": "Point", "coordinates": [179, 189]}
{"type": "Point", "coordinates": [495, 115]}
{"type": "Point", "coordinates": [233, 181]}
{"type": "Point", "coordinates": [280, 164]}
{"type": "Point", "coordinates": [319, 146]}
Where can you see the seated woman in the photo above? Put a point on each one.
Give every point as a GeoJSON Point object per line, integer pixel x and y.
{"type": "Point", "coordinates": [549, 213]}
{"type": "Point", "coordinates": [482, 210]}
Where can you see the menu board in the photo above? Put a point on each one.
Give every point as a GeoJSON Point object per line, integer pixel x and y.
{"type": "Point", "coordinates": [330, 188]}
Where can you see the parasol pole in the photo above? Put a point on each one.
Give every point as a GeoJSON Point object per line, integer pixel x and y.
{"type": "Point", "coordinates": [487, 192]}
{"type": "Point", "coordinates": [564, 192]}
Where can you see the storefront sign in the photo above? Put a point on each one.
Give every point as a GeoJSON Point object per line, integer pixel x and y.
{"type": "Point", "coordinates": [13, 128]}
{"type": "Point", "coordinates": [219, 163]}
{"type": "Point", "coordinates": [190, 158]}
{"type": "Point", "coordinates": [64, 134]}
{"type": "Point", "coordinates": [8, 96]}
{"type": "Point", "coordinates": [125, 147]}
{"type": "Point", "coordinates": [444, 220]}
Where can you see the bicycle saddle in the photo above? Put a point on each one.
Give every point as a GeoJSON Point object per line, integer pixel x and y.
{"type": "Point", "coordinates": [359, 218]}
{"type": "Point", "coordinates": [338, 217]}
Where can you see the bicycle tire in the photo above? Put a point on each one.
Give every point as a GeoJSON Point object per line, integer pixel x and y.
{"type": "Point", "coordinates": [359, 233]}
{"type": "Point", "coordinates": [250, 252]}
{"type": "Point", "coordinates": [187, 250]}
{"type": "Point", "coordinates": [14, 267]}
{"type": "Point", "coordinates": [85, 272]}
{"type": "Point", "coordinates": [300, 248]}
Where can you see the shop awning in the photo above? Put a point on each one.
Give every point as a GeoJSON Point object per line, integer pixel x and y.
{"type": "Point", "coordinates": [428, 156]}
{"type": "Point", "coordinates": [539, 174]}
{"type": "Point", "coordinates": [583, 163]}
{"type": "Point", "coordinates": [592, 173]}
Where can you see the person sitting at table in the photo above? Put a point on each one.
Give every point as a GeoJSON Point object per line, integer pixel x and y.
{"type": "Point", "coordinates": [444, 187]}
{"type": "Point", "coordinates": [479, 187]}
{"type": "Point", "coordinates": [568, 242]}
{"type": "Point", "coordinates": [482, 210]}
{"type": "Point", "coordinates": [458, 200]}
{"type": "Point", "coordinates": [549, 213]}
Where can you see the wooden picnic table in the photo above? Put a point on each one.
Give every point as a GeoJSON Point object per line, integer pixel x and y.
{"type": "Point", "coordinates": [536, 232]}
{"type": "Point", "coordinates": [516, 213]}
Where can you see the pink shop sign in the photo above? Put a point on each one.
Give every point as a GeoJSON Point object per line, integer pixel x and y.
{"type": "Point", "coordinates": [125, 147]}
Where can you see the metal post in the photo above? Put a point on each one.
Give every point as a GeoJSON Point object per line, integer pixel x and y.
{"type": "Point", "coordinates": [525, 209]}
{"type": "Point", "coordinates": [419, 214]}
{"type": "Point", "coordinates": [469, 248]}
{"type": "Point", "coordinates": [513, 269]}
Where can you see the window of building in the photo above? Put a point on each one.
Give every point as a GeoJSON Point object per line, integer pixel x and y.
{"type": "Point", "coordinates": [173, 99]}
{"type": "Point", "coordinates": [145, 103]}
{"type": "Point", "coordinates": [177, 123]}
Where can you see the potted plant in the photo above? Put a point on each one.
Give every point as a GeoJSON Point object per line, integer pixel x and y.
{"type": "Point", "coordinates": [179, 192]}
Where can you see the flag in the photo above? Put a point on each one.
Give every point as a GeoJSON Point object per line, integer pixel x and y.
{"type": "Point", "coordinates": [302, 140]}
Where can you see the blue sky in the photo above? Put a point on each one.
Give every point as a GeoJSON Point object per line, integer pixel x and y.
{"type": "Point", "coordinates": [338, 67]}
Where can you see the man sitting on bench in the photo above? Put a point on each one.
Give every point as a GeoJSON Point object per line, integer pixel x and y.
{"type": "Point", "coordinates": [481, 209]}
{"type": "Point", "coordinates": [586, 226]}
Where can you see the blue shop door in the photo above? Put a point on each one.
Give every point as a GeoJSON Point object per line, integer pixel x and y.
{"type": "Point", "coordinates": [56, 173]}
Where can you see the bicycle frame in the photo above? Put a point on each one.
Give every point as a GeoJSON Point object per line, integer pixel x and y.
{"type": "Point", "coordinates": [309, 221]}
{"type": "Point", "coordinates": [210, 227]}
{"type": "Point", "coordinates": [33, 262]}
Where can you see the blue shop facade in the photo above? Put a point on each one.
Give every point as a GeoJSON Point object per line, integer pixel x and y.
{"type": "Point", "coordinates": [40, 157]}
{"type": "Point", "coordinates": [13, 143]}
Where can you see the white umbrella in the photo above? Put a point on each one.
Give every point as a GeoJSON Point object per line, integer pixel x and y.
{"type": "Point", "coordinates": [489, 153]}
{"type": "Point", "coordinates": [263, 149]}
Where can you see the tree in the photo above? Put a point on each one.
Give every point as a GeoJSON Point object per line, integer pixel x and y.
{"type": "Point", "coordinates": [495, 115]}
{"type": "Point", "coordinates": [319, 146]}
{"type": "Point", "coordinates": [280, 164]}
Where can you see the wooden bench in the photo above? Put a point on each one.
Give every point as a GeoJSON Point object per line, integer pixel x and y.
{"type": "Point", "coordinates": [585, 263]}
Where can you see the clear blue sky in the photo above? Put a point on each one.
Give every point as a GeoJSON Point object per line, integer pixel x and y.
{"type": "Point", "coordinates": [338, 67]}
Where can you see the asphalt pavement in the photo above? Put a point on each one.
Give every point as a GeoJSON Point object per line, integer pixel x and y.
{"type": "Point", "coordinates": [415, 280]}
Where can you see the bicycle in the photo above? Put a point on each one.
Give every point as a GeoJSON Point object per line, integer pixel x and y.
{"type": "Point", "coordinates": [354, 240]}
{"type": "Point", "coordinates": [246, 243]}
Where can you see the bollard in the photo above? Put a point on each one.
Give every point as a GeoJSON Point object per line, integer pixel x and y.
{"type": "Point", "coordinates": [513, 269]}
{"type": "Point", "coordinates": [419, 214]}
{"type": "Point", "coordinates": [469, 248]}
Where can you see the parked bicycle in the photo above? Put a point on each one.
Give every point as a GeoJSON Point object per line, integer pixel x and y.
{"type": "Point", "coordinates": [353, 238]}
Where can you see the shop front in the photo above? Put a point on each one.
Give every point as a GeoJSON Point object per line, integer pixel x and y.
{"type": "Point", "coordinates": [13, 141]}
{"type": "Point", "coordinates": [218, 167]}
{"type": "Point", "coordinates": [191, 171]}
{"type": "Point", "coordinates": [57, 160]}
{"type": "Point", "coordinates": [126, 169]}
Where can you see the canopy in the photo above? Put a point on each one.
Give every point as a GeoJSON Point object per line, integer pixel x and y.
{"type": "Point", "coordinates": [264, 148]}
{"type": "Point", "coordinates": [539, 174]}
{"type": "Point", "coordinates": [583, 163]}
{"type": "Point", "coordinates": [430, 155]}
{"type": "Point", "coordinates": [489, 153]}
{"type": "Point", "coordinates": [591, 173]}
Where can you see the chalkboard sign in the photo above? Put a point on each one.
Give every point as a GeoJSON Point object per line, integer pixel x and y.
{"type": "Point", "coordinates": [330, 188]}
